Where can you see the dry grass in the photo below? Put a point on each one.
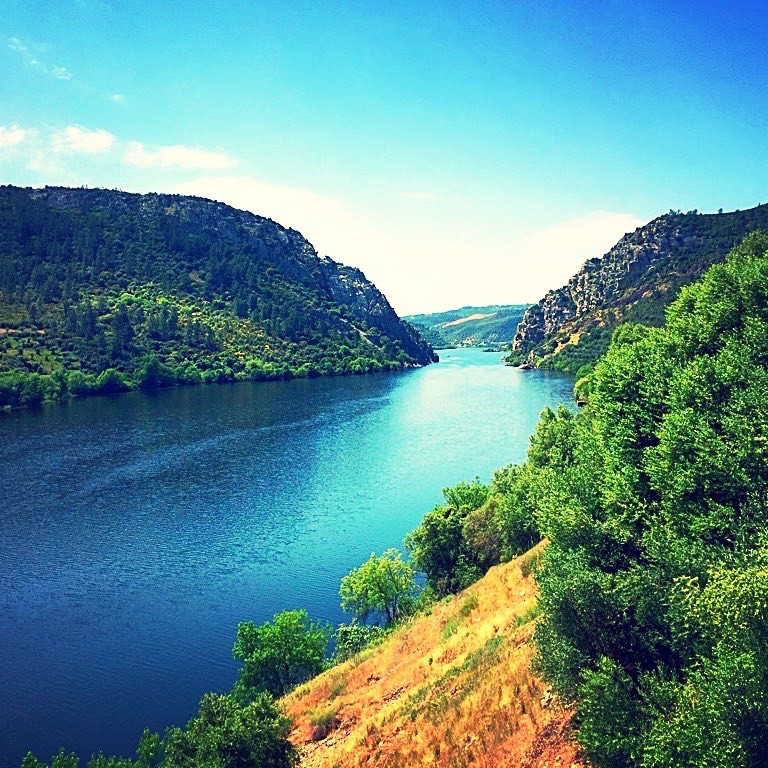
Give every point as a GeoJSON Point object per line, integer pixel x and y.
{"type": "Point", "coordinates": [453, 688]}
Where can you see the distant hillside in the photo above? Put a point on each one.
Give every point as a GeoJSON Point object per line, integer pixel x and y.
{"type": "Point", "coordinates": [102, 290]}
{"type": "Point", "coordinates": [450, 688]}
{"type": "Point", "coordinates": [470, 326]}
{"type": "Point", "coordinates": [571, 326]}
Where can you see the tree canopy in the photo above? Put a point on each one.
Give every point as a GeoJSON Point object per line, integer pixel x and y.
{"type": "Point", "coordinates": [279, 654]}
{"type": "Point", "coordinates": [381, 587]}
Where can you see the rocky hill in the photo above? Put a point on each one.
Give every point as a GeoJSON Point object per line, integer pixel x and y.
{"type": "Point", "coordinates": [571, 326]}
{"type": "Point", "coordinates": [95, 280]}
{"type": "Point", "coordinates": [451, 688]}
{"type": "Point", "coordinates": [492, 325]}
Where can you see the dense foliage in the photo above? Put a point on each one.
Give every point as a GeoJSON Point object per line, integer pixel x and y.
{"type": "Point", "coordinates": [103, 291]}
{"type": "Point", "coordinates": [477, 527]}
{"type": "Point", "coordinates": [279, 654]}
{"type": "Point", "coordinates": [654, 589]}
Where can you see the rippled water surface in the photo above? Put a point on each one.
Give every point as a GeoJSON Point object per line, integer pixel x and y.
{"type": "Point", "coordinates": [136, 532]}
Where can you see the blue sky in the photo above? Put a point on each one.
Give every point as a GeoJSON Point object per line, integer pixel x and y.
{"type": "Point", "coordinates": [458, 152]}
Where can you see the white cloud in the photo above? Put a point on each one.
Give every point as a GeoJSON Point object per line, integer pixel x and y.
{"type": "Point", "coordinates": [24, 52]}
{"type": "Point", "coordinates": [11, 135]}
{"type": "Point", "coordinates": [61, 73]}
{"type": "Point", "coordinates": [77, 140]}
{"type": "Point", "coordinates": [178, 156]}
{"type": "Point", "coordinates": [117, 98]}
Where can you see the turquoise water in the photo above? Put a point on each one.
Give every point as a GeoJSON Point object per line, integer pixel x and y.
{"type": "Point", "coordinates": [136, 532]}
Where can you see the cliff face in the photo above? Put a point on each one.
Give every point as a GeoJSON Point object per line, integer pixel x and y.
{"type": "Point", "coordinates": [635, 280]}
{"type": "Point", "coordinates": [366, 303]}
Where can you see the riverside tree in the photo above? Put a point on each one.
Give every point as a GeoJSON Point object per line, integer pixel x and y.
{"type": "Point", "coordinates": [384, 586]}
{"type": "Point", "coordinates": [279, 654]}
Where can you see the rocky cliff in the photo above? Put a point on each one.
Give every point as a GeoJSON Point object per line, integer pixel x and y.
{"type": "Point", "coordinates": [635, 280]}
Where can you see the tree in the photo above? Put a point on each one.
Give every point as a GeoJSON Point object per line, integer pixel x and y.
{"type": "Point", "coordinates": [226, 734]}
{"type": "Point", "coordinates": [153, 374]}
{"type": "Point", "coordinates": [279, 654]}
{"type": "Point", "coordinates": [438, 546]}
{"type": "Point", "coordinates": [382, 586]}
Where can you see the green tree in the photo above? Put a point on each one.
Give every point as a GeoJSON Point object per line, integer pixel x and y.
{"type": "Point", "coordinates": [153, 374]}
{"type": "Point", "coordinates": [279, 654]}
{"type": "Point", "coordinates": [227, 734]}
{"type": "Point", "coordinates": [110, 382]}
{"type": "Point", "coordinates": [438, 546]}
{"type": "Point", "coordinates": [383, 586]}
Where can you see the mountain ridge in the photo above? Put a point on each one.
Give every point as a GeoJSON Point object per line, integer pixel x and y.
{"type": "Point", "coordinates": [489, 325]}
{"type": "Point", "coordinates": [96, 279]}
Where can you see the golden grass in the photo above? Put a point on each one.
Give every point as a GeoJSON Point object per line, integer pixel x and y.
{"type": "Point", "coordinates": [453, 688]}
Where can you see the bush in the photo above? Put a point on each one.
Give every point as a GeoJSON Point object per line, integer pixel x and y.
{"type": "Point", "coordinates": [227, 734]}
{"type": "Point", "coordinates": [111, 382]}
{"type": "Point", "coordinates": [354, 637]}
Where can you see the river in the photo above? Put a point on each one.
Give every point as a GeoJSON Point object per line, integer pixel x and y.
{"type": "Point", "coordinates": [137, 531]}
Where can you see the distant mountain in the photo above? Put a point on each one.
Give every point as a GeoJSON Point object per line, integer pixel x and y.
{"type": "Point", "coordinates": [470, 326]}
{"type": "Point", "coordinates": [102, 290]}
{"type": "Point", "coordinates": [635, 281]}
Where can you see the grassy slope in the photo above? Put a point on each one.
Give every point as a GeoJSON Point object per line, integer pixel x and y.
{"type": "Point", "coordinates": [452, 688]}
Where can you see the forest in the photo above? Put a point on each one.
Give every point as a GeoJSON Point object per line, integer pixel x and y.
{"type": "Point", "coordinates": [102, 292]}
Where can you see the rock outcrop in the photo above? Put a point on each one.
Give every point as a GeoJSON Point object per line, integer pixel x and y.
{"type": "Point", "coordinates": [635, 280]}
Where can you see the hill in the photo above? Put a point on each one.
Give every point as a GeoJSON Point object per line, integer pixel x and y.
{"type": "Point", "coordinates": [470, 326]}
{"type": "Point", "coordinates": [636, 280]}
{"type": "Point", "coordinates": [101, 290]}
{"type": "Point", "coordinates": [450, 688]}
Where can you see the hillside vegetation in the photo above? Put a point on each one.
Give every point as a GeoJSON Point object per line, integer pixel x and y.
{"type": "Point", "coordinates": [102, 291]}
{"type": "Point", "coordinates": [450, 688]}
{"type": "Point", "coordinates": [635, 281]}
{"type": "Point", "coordinates": [493, 325]}
{"type": "Point", "coordinates": [653, 589]}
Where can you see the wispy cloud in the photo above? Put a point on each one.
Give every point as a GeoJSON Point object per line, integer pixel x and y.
{"type": "Point", "coordinates": [61, 73]}
{"type": "Point", "coordinates": [117, 98]}
{"type": "Point", "coordinates": [10, 135]}
{"type": "Point", "coordinates": [424, 197]}
{"type": "Point", "coordinates": [30, 56]}
{"type": "Point", "coordinates": [178, 156]}
{"type": "Point", "coordinates": [77, 140]}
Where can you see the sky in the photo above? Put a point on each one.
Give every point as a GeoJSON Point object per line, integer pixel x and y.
{"type": "Point", "coordinates": [457, 152]}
